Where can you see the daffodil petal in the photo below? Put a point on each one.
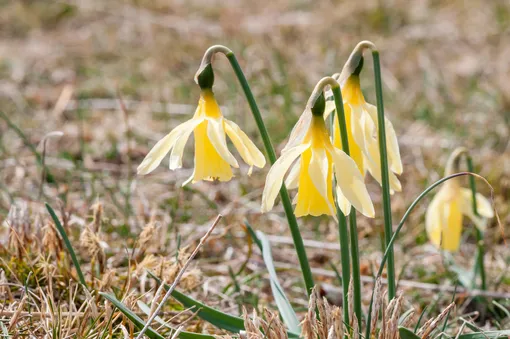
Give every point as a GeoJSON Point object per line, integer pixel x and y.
{"type": "Point", "coordinates": [216, 134]}
{"type": "Point", "coordinates": [394, 160]}
{"type": "Point", "coordinates": [350, 182]}
{"type": "Point", "coordinates": [358, 122]}
{"type": "Point", "coordinates": [163, 146]}
{"type": "Point", "coordinates": [373, 164]}
{"type": "Point", "coordinates": [292, 180]}
{"type": "Point", "coordinates": [444, 219]}
{"type": "Point", "coordinates": [483, 205]}
{"type": "Point", "coordinates": [343, 203]}
{"type": "Point", "coordinates": [178, 149]}
{"type": "Point", "coordinates": [318, 171]}
{"type": "Point", "coordinates": [274, 179]}
{"type": "Point", "coordinates": [190, 179]}
{"type": "Point", "coordinates": [299, 130]}
{"type": "Point", "coordinates": [484, 208]}
{"type": "Point", "coordinates": [433, 220]}
{"type": "Point", "coordinates": [249, 152]}
{"type": "Point", "coordinates": [330, 108]}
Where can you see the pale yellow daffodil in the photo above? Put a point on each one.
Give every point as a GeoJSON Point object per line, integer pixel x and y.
{"type": "Point", "coordinates": [362, 134]}
{"type": "Point", "coordinates": [444, 217]}
{"type": "Point", "coordinates": [213, 160]}
{"type": "Point", "coordinates": [313, 175]}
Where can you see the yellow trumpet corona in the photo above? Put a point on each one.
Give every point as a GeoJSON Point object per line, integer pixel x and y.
{"type": "Point", "coordinates": [213, 160]}
{"type": "Point", "coordinates": [313, 176]}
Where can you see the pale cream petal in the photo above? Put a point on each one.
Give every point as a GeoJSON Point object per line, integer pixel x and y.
{"type": "Point", "coordinates": [318, 171]}
{"type": "Point", "coordinates": [274, 179]}
{"type": "Point", "coordinates": [162, 147]}
{"type": "Point", "coordinates": [292, 180]}
{"type": "Point", "coordinates": [394, 160]}
{"type": "Point", "coordinates": [483, 205]}
{"type": "Point", "coordinates": [350, 181]}
{"type": "Point", "coordinates": [216, 135]}
{"type": "Point", "coordinates": [433, 219]}
{"type": "Point", "coordinates": [249, 152]}
{"type": "Point", "coordinates": [373, 163]}
{"type": "Point", "coordinates": [178, 149]}
{"type": "Point", "coordinates": [358, 122]}
{"type": "Point", "coordinates": [343, 203]}
{"type": "Point", "coordinates": [190, 179]}
{"type": "Point", "coordinates": [299, 130]}
{"type": "Point", "coordinates": [484, 208]}
{"type": "Point", "coordinates": [330, 107]}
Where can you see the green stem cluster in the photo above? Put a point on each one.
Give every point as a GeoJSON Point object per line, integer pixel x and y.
{"type": "Point", "coordinates": [342, 225]}
{"type": "Point", "coordinates": [286, 202]}
{"type": "Point", "coordinates": [388, 227]}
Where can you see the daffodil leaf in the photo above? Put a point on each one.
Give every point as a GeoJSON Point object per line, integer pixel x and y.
{"type": "Point", "coordinates": [219, 319]}
{"type": "Point", "coordinates": [465, 277]}
{"type": "Point", "coordinates": [406, 333]}
{"type": "Point", "coordinates": [139, 323]}
{"type": "Point", "coordinates": [282, 302]}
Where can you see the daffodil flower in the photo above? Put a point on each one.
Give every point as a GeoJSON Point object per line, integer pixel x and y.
{"type": "Point", "coordinates": [313, 175]}
{"type": "Point", "coordinates": [362, 133]}
{"type": "Point", "coordinates": [213, 160]}
{"type": "Point", "coordinates": [444, 217]}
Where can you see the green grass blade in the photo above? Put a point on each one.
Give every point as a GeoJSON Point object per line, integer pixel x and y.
{"type": "Point", "coordinates": [282, 302]}
{"type": "Point", "coordinates": [63, 234]}
{"type": "Point", "coordinates": [219, 319]}
{"type": "Point", "coordinates": [139, 323]}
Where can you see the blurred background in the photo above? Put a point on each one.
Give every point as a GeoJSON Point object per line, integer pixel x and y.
{"type": "Point", "coordinates": [68, 65]}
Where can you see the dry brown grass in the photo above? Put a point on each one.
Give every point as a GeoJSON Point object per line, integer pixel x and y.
{"type": "Point", "coordinates": [445, 69]}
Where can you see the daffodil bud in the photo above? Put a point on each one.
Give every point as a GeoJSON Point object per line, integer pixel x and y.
{"type": "Point", "coordinates": [206, 78]}
{"type": "Point", "coordinates": [319, 105]}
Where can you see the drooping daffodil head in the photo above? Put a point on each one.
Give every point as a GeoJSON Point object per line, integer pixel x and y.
{"type": "Point", "coordinates": [213, 160]}
{"type": "Point", "coordinates": [445, 214]}
{"type": "Point", "coordinates": [314, 160]}
{"type": "Point", "coordinates": [362, 125]}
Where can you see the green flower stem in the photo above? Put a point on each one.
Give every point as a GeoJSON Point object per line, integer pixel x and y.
{"type": "Point", "coordinates": [397, 231]}
{"type": "Point", "coordinates": [479, 265]}
{"type": "Point", "coordinates": [356, 275]}
{"type": "Point", "coordinates": [286, 202]}
{"type": "Point", "coordinates": [388, 227]}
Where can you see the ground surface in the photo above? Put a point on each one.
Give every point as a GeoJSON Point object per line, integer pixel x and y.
{"type": "Point", "coordinates": [64, 64]}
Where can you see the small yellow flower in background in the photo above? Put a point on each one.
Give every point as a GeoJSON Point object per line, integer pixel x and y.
{"type": "Point", "coordinates": [443, 220]}
{"type": "Point", "coordinates": [362, 134]}
{"type": "Point", "coordinates": [213, 160]}
{"type": "Point", "coordinates": [313, 175]}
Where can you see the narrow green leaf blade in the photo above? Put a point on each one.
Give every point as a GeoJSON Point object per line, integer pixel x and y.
{"type": "Point", "coordinates": [219, 319]}
{"type": "Point", "coordinates": [63, 234]}
{"type": "Point", "coordinates": [286, 311]}
{"type": "Point", "coordinates": [139, 323]}
{"type": "Point", "coordinates": [407, 333]}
